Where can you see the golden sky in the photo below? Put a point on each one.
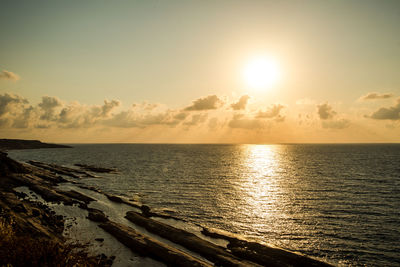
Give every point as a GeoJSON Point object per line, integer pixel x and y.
{"type": "Point", "coordinates": [200, 71]}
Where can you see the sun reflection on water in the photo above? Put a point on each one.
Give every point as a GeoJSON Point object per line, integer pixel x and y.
{"type": "Point", "coordinates": [259, 187]}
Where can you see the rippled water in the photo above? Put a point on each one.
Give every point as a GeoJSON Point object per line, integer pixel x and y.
{"type": "Point", "coordinates": [340, 203]}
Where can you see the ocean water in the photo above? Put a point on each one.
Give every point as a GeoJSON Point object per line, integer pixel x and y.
{"type": "Point", "coordinates": [338, 203]}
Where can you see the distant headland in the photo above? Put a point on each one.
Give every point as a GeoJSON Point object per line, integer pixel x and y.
{"type": "Point", "coordinates": [8, 144]}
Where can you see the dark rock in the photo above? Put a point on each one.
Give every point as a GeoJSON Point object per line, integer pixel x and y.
{"type": "Point", "coordinates": [269, 256]}
{"type": "Point", "coordinates": [54, 168]}
{"type": "Point", "coordinates": [35, 212]}
{"type": "Point", "coordinates": [216, 233]}
{"type": "Point", "coordinates": [97, 215]}
{"type": "Point", "coordinates": [8, 166]}
{"type": "Point", "coordinates": [149, 247]}
{"type": "Point", "coordinates": [21, 195]}
{"type": "Point", "coordinates": [145, 210]}
{"type": "Point", "coordinates": [95, 168]}
{"type": "Point", "coordinates": [83, 206]}
{"type": "Point", "coordinates": [114, 198]}
{"type": "Point", "coordinates": [99, 239]}
{"type": "Point", "coordinates": [19, 208]}
{"type": "Point", "coordinates": [208, 250]}
{"type": "Point", "coordinates": [76, 195]}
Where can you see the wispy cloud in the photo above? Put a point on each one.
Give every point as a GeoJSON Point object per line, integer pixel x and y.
{"type": "Point", "coordinates": [329, 118]}
{"type": "Point", "coordinates": [271, 112]}
{"type": "Point", "coordinates": [8, 75]}
{"type": "Point", "coordinates": [241, 104]}
{"type": "Point", "coordinates": [196, 119]}
{"type": "Point", "coordinates": [389, 113]}
{"type": "Point", "coordinates": [375, 96]}
{"type": "Point", "coordinates": [325, 111]}
{"type": "Point", "coordinates": [242, 122]}
{"type": "Point", "coordinates": [206, 103]}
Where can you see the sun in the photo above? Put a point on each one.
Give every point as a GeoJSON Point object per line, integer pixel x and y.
{"type": "Point", "coordinates": [261, 73]}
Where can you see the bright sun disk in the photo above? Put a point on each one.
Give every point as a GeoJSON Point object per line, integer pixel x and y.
{"type": "Point", "coordinates": [261, 73]}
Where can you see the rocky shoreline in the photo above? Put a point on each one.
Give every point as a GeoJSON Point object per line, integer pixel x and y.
{"type": "Point", "coordinates": [139, 229]}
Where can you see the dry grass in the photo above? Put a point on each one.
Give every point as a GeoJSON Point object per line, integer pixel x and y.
{"type": "Point", "coordinates": [23, 250]}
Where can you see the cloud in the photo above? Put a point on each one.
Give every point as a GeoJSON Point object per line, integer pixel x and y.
{"type": "Point", "coordinates": [336, 124]}
{"type": "Point", "coordinates": [134, 119]}
{"type": "Point", "coordinates": [375, 96]}
{"type": "Point", "coordinates": [9, 101]}
{"type": "Point", "coordinates": [196, 119]}
{"type": "Point", "coordinates": [48, 106]}
{"type": "Point", "coordinates": [104, 110]}
{"type": "Point", "coordinates": [240, 121]}
{"type": "Point", "coordinates": [206, 103]}
{"type": "Point", "coordinates": [327, 115]}
{"type": "Point", "coordinates": [180, 116]}
{"type": "Point", "coordinates": [325, 111]}
{"type": "Point", "coordinates": [271, 112]}
{"type": "Point", "coordinates": [390, 113]}
{"type": "Point", "coordinates": [76, 115]}
{"type": "Point", "coordinates": [213, 123]}
{"type": "Point", "coordinates": [51, 112]}
{"type": "Point", "coordinates": [241, 104]}
{"type": "Point", "coordinates": [8, 75]}
{"type": "Point", "coordinates": [24, 119]}
{"type": "Point", "coordinates": [13, 110]}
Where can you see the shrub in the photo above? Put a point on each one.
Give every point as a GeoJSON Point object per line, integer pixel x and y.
{"type": "Point", "coordinates": [24, 250]}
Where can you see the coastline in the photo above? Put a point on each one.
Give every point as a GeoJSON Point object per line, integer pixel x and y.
{"type": "Point", "coordinates": [45, 180]}
{"type": "Point", "coordinates": [7, 144]}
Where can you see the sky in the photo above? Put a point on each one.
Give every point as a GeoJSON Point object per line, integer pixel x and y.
{"type": "Point", "coordinates": [184, 71]}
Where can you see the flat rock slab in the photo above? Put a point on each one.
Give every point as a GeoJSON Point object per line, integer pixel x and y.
{"type": "Point", "coordinates": [208, 250]}
{"type": "Point", "coordinates": [96, 168]}
{"type": "Point", "coordinates": [149, 247]}
{"type": "Point", "coordinates": [262, 254]}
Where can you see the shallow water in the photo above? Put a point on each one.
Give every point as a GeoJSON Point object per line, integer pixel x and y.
{"type": "Point", "coordinates": [338, 203]}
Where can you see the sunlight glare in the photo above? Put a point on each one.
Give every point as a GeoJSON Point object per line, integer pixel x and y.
{"type": "Point", "coordinates": [261, 185]}
{"type": "Point", "coordinates": [261, 73]}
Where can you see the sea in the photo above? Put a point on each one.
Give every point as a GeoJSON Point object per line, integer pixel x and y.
{"type": "Point", "coordinates": [336, 202]}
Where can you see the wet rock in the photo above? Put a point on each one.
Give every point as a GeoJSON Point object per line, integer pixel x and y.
{"type": "Point", "coordinates": [51, 178]}
{"type": "Point", "coordinates": [269, 256]}
{"type": "Point", "coordinates": [99, 239]}
{"type": "Point", "coordinates": [208, 250]}
{"type": "Point", "coordinates": [50, 194]}
{"type": "Point", "coordinates": [220, 234]}
{"type": "Point", "coordinates": [114, 198]}
{"type": "Point", "coordinates": [97, 215]}
{"type": "Point", "coordinates": [8, 166]}
{"type": "Point", "coordinates": [145, 210]}
{"type": "Point", "coordinates": [76, 195]}
{"type": "Point", "coordinates": [54, 168]}
{"type": "Point", "coordinates": [95, 168]}
{"type": "Point", "coordinates": [149, 247]}
{"type": "Point", "coordinates": [259, 253]}
{"type": "Point", "coordinates": [120, 200]}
